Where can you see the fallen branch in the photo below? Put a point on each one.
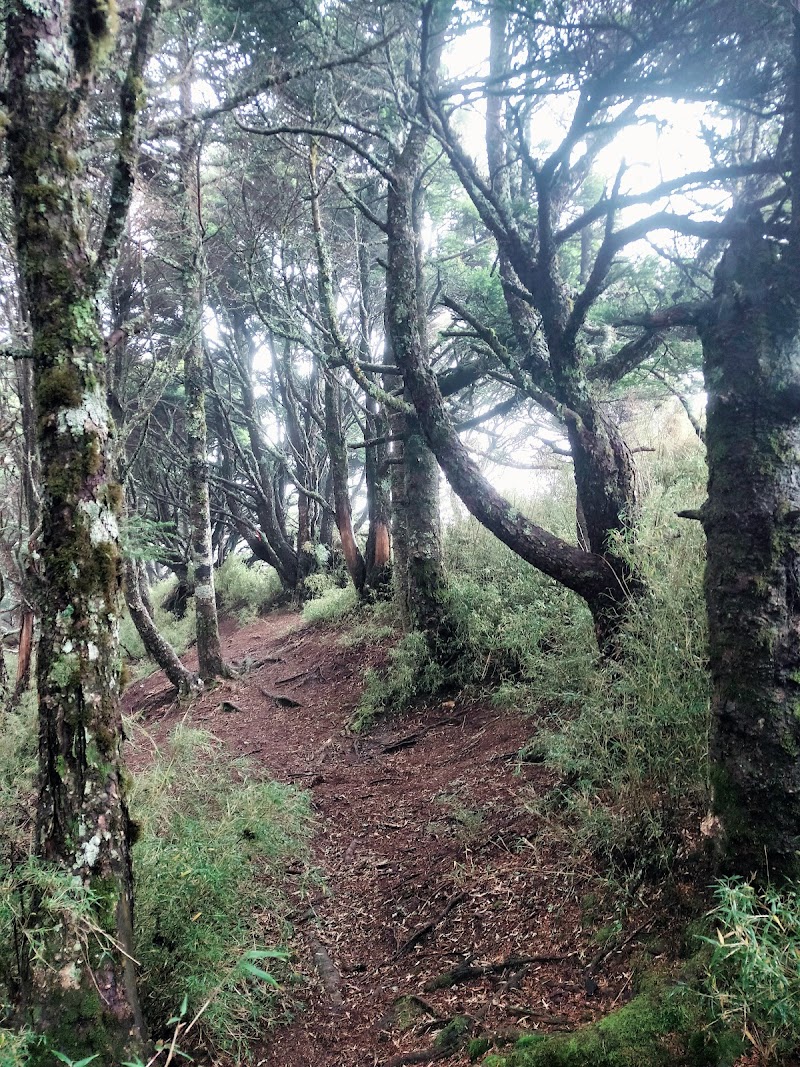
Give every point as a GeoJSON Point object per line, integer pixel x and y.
{"type": "Point", "coordinates": [412, 739]}
{"type": "Point", "coordinates": [284, 702]}
{"type": "Point", "coordinates": [327, 972]}
{"type": "Point", "coordinates": [429, 927]}
{"type": "Point", "coordinates": [426, 1055]}
{"type": "Point", "coordinates": [466, 972]}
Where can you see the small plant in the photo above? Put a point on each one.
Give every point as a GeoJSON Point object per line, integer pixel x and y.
{"type": "Point", "coordinates": [754, 971]}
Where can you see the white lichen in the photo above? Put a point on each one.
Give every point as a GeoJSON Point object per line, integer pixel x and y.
{"type": "Point", "coordinates": [103, 527]}
{"type": "Point", "coordinates": [91, 415]}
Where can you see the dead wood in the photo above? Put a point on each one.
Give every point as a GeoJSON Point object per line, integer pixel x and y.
{"type": "Point", "coordinates": [413, 739]}
{"type": "Point", "coordinates": [282, 701]}
{"type": "Point", "coordinates": [426, 1055]}
{"type": "Point", "coordinates": [429, 927]}
{"type": "Point", "coordinates": [466, 972]}
{"type": "Point", "coordinates": [327, 972]}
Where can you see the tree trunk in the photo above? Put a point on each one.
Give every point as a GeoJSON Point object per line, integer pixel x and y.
{"type": "Point", "coordinates": [337, 454]}
{"type": "Point", "coordinates": [422, 583]}
{"type": "Point", "coordinates": [81, 983]}
{"type": "Point", "coordinates": [156, 647]}
{"type": "Point", "coordinates": [378, 551]}
{"type": "Point", "coordinates": [751, 351]}
{"type": "Point", "coordinates": [209, 650]}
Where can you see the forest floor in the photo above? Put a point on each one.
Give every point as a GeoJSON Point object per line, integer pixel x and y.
{"type": "Point", "coordinates": [440, 896]}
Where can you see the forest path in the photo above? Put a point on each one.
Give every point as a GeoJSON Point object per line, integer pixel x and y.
{"type": "Point", "coordinates": [429, 856]}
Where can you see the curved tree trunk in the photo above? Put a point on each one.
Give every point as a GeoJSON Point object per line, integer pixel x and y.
{"type": "Point", "coordinates": [81, 984]}
{"type": "Point", "coordinates": [156, 647]}
{"type": "Point", "coordinates": [751, 350]}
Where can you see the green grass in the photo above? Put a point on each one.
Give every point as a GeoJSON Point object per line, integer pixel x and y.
{"type": "Point", "coordinates": [246, 590]}
{"type": "Point", "coordinates": [754, 970]}
{"type": "Point", "coordinates": [179, 632]}
{"type": "Point", "coordinates": [211, 901]}
{"type": "Point", "coordinates": [332, 604]}
{"type": "Point", "coordinates": [211, 890]}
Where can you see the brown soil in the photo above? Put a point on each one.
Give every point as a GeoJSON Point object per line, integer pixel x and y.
{"type": "Point", "coordinates": [430, 856]}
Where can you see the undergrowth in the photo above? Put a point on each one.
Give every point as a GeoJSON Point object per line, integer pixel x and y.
{"type": "Point", "coordinates": [211, 905]}
{"type": "Point", "coordinates": [246, 590]}
{"type": "Point", "coordinates": [754, 970]}
{"type": "Point", "coordinates": [178, 632]}
{"type": "Point", "coordinates": [210, 873]}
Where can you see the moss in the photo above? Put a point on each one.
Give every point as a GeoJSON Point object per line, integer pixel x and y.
{"type": "Point", "coordinates": [663, 1028]}
{"type": "Point", "coordinates": [452, 1035]}
{"type": "Point", "coordinates": [478, 1047]}
{"type": "Point", "coordinates": [107, 562]}
{"type": "Point", "coordinates": [59, 387]}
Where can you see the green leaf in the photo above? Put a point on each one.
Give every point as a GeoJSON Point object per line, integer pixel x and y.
{"type": "Point", "coordinates": [266, 954]}
{"type": "Point", "coordinates": [257, 972]}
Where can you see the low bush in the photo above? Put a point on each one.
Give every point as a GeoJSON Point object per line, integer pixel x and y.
{"type": "Point", "coordinates": [246, 590]}
{"type": "Point", "coordinates": [211, 900]}
{"type": "Point", "coordinates": [330, 603]}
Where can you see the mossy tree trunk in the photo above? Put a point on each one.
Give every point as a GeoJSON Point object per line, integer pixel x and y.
{"type": "Point", "coordinates": [209, 649]}
{"type": "Point", "coordinates": [81, 984]}
{"type": "Point", "coordinates": [378, 550]}
{"type": "Point", "coordinates": [751, 349]}
{"type": "Point", "coordinates": [421, 584]}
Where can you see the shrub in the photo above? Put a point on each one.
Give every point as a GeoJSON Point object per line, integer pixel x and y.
{"type": "Point", "coordinates": [332, 604]}
{"type": "Point", "coordinates": [754, 971]}
{"type": "Point", "coordinates": [246, 590]}
{"type": "Point", "coordinates": [209, 868]}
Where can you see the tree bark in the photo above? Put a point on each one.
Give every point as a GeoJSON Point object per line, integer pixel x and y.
{"type": "Point", "coordinates": [337, 456]}
{"type": "Point", "coordinates": [81, 984]}
{"type": "Point", "coordinates": [157, 648]}
{"type": "Point", "coordinates": [378, 550]}
{"type": "Point", "coordinates": [751, 351]}
{"type": "Point", "coordinates": [209, 649]}
{"type": "Point", "coordinates": [420, 576]}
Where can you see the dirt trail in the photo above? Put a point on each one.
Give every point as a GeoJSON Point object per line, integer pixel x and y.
{"type": "Point", "coordinates": [428, 854]}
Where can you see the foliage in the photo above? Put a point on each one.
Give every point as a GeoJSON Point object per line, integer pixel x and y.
{"type": "Point", "coordinates": [246, 590]}
{"type": "Point", "coordinates": [754, 971]}
{"type": "Point", "coordinates": [630, 736]}
{"type": "Point", "coordinates": [371, 625]}
{"type": "Point", "coordinates": [412, 673]}
{"type": "Point", "coordinates": [209, 867]}
{"type": "Point", "coordinates": [330, 603]}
